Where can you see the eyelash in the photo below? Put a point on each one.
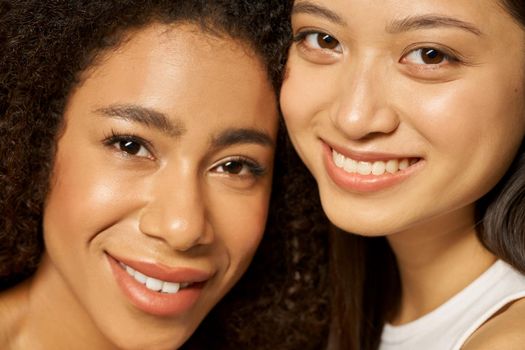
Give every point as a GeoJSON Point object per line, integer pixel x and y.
{"type": "Point", "coordinates": [300, 39]}
{"type": "Point", "coordinates": [253, 167]}
{"type": "Point", "coordinates": [115, 138]}
{"type": "Point", "coordinates": [448, 56]}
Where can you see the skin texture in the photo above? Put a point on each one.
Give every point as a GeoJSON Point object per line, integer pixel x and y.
{"type": "Point", "coordinates": [366, 91]}
{"type": "Point", "coordinates": [180, 198]}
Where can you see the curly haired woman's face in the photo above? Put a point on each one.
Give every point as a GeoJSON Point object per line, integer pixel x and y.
{"type": "Point", "coordinates": [405, 112]}
{"type": "Point", "coordinates": [160, 187]}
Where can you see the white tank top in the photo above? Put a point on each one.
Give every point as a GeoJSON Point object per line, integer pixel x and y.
{"type": "Point", "coordinates": [451, 324]}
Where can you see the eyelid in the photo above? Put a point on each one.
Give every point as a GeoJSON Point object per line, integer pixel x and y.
{"type": "Point", "coordinates": [114, 137]}
{"type": "Point", "coordinates": [451, 55]}
{"type": "Point", "coordinates": [300, 38]}
{"type": "Point", "coordinates": [317, 56]}
{"type": "Point", "coordinates": [254, 167]}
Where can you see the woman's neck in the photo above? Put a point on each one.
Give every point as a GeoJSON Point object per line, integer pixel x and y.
{"type": "Point", "coordinates": [436, 261]}
{"type": "Point", "coordinates": [50, 316]}
{"type": "Point", "coordinates": [13, 308]}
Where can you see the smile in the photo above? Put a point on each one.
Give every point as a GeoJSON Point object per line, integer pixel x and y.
{"type": "Point", "coordinates": [372, 172]}
{"type": "Point", "coordinates": [158, 289]}
{"type": "Point", "coordinates": [154, 284]}
{"type": "Point", "coordinates": [377, 168]}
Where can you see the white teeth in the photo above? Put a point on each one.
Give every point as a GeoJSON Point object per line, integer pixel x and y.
{"type": "Point", "coordinates": [140, 277]}
{"type": "Point", "coordinates": [169, 287]}
{"type": "Point", "coordinates": [392, 166]}
{"type": "Point", "coordinates": [153, 283]}
{"type": "Point", "coordinates": [339, 159]}
{"type": "Point", "coordinates": [350, 165]}
{"type": "Point", "coordinates": [378, 168]}
{"type": "Point", "coordinates": [366, 168]}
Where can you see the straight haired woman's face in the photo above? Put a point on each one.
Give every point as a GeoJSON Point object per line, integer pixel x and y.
{"type": "Point", "coordinates": [161, 185]}
{"type": "Point", "coordinates": [406, 112]}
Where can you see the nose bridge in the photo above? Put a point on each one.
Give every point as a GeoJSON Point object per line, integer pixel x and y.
{"type": "Point", "coordinates": [363, 105]}
{"type": "Point", "coordinates": [176, 211]}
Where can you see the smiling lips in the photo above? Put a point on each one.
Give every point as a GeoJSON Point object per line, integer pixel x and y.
{"type": "Point", "coordinates": [154, 284]}
{"type": "Point", "coordinates": [379, 167]}
{"type": "Point", "coordinates": [157, 289]}
{"type": "Point", "coordinates": [368, 173]}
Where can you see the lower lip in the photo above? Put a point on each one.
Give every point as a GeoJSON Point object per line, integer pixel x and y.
{"type": "Point", "coordinates": [151, 302]}
{"type": "Point", "coordinates": [355, 182]}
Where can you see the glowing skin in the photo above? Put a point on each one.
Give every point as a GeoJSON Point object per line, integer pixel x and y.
{"type": "Point", "coordinates": [371, 95]}
{"type": "Point", "coordinates": [435, 85]}
{"type": "Point", "coordinates": [180, 195]}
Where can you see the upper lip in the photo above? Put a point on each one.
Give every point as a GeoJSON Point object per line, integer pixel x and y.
{"type": "Point", "coordinates": [367, 156]}
{"type": "Point", "coordinates": [166, 273]}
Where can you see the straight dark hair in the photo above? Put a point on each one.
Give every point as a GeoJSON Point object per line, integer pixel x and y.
{"type": "Point", "coordinates": [365, 279]}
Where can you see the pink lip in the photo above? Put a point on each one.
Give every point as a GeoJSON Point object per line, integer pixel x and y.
{"type": "Point", "coordinates": [364, 157]}
{"type": "Point", "coordinates": [157, 303]}
{"type": "Point", "coordinates": [355, 182]}
{"type": "Point", "coordinates": [166, 273]}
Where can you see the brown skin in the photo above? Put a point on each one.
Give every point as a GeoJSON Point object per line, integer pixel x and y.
{"type": "Point", "coordinates": [174, 201]}
{"type": "Point", "coordinates": [371, 92]}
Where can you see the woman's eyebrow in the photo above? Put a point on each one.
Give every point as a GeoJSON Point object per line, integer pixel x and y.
{"type": "Point", "coordinates": [235, 136]}
{"type": "Point", "coordinates": [430, 21]}
{"type": "Point", "coordinates": [146, 116]}
{"type": "Point", "coordinates": [317, 10]}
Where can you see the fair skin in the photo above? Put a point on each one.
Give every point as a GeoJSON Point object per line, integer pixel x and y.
{"type": "Point", "coordinates": [407, 113]}
{"type": "Point", "coordinates": [164, 165]}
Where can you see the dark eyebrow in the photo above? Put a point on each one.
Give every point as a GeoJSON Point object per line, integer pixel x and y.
{"type": "Point", "coordinates": [430, 21]}
{"type": "Point", "coordinates": [143, 115]}
{"type": "Point", "coordinates": [317, 10]}
{"type": "Point", "coordinates": [230, 137]}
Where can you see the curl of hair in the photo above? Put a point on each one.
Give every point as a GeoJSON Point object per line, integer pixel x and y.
{"type": "Point", "coordinates": [281, 302]}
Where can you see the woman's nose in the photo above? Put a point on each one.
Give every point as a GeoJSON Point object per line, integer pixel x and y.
{"type": "Point", "coordinates": [176, 212]}
{"type": "Point", "coordinates": [362, 107]}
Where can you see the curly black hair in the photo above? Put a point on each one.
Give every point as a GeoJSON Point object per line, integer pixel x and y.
{"type": "Point", "coordinates": [282, 300]}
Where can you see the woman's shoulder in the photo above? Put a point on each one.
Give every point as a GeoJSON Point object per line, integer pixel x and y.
{"type": "Point", "coordinates": [503, 331]}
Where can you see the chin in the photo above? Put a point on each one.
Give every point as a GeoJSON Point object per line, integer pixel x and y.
{"type": "Point", "coordinates": [368, 223]}
{"type": "Point", "coordinates": [149, 340]}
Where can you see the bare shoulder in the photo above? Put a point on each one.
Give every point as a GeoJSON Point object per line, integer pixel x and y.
{"type": "Point", "coordinates": [504, 331]}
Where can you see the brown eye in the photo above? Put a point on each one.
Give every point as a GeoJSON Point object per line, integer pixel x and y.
{"type": "Point", "coordinates": [130, 147]}
{"type": "Point", "coordinates": [240, 166]}
{"type": "Point", "coordinates": [432, 56]}
{"type": "Point", "coordinates": [326, 41]}
{"type": "Point", "coordinates": [428, 56]}
{"type": "Point", "coordinates": [233, 167]}
{"type": "Point", "coordinates": [319, 41]}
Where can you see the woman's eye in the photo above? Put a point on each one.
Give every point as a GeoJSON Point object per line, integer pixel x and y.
{"type": "Point", "coordinates": [428, 56]}
{"type": "Point", "coordinates": [320, 41]}
{"type": "Point", "coordinates": [232, 167]}
{"type": "Point", "coordinates": [240, 167]}
{"type": "Point", "coordinates": [129, 145]}
{"type": "Point", "coordinates": [132, 148]}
